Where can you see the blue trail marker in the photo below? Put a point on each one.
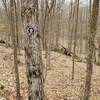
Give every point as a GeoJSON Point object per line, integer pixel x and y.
{"type": "Point", "coordinates": [31, 30]}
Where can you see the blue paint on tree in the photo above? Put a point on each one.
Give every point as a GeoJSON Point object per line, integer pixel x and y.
{"type": "Point", "coordinates": [31, 30]}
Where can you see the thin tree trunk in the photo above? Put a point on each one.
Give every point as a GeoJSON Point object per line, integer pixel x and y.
{"type": "Point", "coordinates": [98, 51]}
{"type": "Point", "coordinates": [75, 36]}
{"type": "Point", "coordinates": [92, 34]}
{"type": "Point", "coordinates": [81, 30]}
{"type": "Point", "coordinates": [13, 30]}
{"type": "Point", "coordinates": [69, 26]}
{"type": "Point", "coordinates": [90, 8]}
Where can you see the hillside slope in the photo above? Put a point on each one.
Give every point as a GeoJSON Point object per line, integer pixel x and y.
{"type": "Point", "coordinates": [58, 84]}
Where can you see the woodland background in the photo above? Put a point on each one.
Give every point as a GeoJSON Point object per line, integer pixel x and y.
{"type": "Point", "coordinates": [65, 50]}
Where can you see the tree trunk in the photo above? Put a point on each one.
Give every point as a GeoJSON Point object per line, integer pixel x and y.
{"type": "Point", "coordinates": [90, 8]}
{"type": "Point", "coordinates": [14, 40]}
{"type": "Point", "coordinates": [92, 34]}
{"type": "Point", "coordinates": [75, 36]}
{"type": "Point", "coordinates": [69, 26]}
{"type": "Point", "coordinates": [33, 52]}
{"type": "Point", "coordinates": [98, 51]}
{"type": "Point", "coordinates": [81, 32]}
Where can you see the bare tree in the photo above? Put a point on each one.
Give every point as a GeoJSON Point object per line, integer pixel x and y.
{"type": "Point", "coordinates": [81, 30]}
{"type": "Point", "coordinates": [7, 13]}
{"type": "Point", "coordinates": [89, 8]}
{"type": "Point", "coordinates": [69, 25]}
{"type": "Point", "coordinates": [91, 38]}
{"type": "Point", "coordinates": [98, 51]}
{"type": "Point", "coordinates": [13, 30]}
{"type": "Point", "coordinates": [75, 34]}
{"type": "Point", "coordinates": [30, 16]}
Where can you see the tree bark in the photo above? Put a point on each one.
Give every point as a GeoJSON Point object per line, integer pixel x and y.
{"type": "Point", "coordinates": [69, 26]}
{"type": "Point", "coordinates": [98, 51]}
{"type": "Point", "coordinates": [14, 40]}
{"type": "Point", "coordinates": [75, 36]}
{"type": "Point", "coordinates": [33, 52]}
{"type": "Point", "coordinates": [92, 34]}
{"type": "Point", "coordinates": [90, 11]}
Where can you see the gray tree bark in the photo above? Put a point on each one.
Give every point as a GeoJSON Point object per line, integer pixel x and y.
{"type": "Point", "coordinates": [98, 51]}
{"type": "Point", "coordinates": [30, 15]}
{"type": "Point", "coordinates": [69, 25]}
{"type": "Point", "coordinates": [91, 38]}
{"type": "Point", "coordinates": [75, 36]}
{"type": "Point", "coordinates": [14, 40]}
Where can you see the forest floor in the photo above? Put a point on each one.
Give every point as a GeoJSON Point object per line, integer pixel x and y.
{"type": "Point", "coordinates": [58, 83]}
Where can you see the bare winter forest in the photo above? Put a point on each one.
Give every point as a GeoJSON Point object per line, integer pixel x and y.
{"type": "Point", "coordinates": [49, 50]}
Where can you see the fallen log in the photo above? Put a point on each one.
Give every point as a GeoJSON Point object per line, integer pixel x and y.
{"type": "Point", "coordinates": [2, 42]}
{"type": "Point", "coordinates": [66, 51]}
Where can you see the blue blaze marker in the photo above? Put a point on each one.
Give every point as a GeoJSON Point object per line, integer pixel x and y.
{"type": "Point", "coordinates": [31, 30]}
